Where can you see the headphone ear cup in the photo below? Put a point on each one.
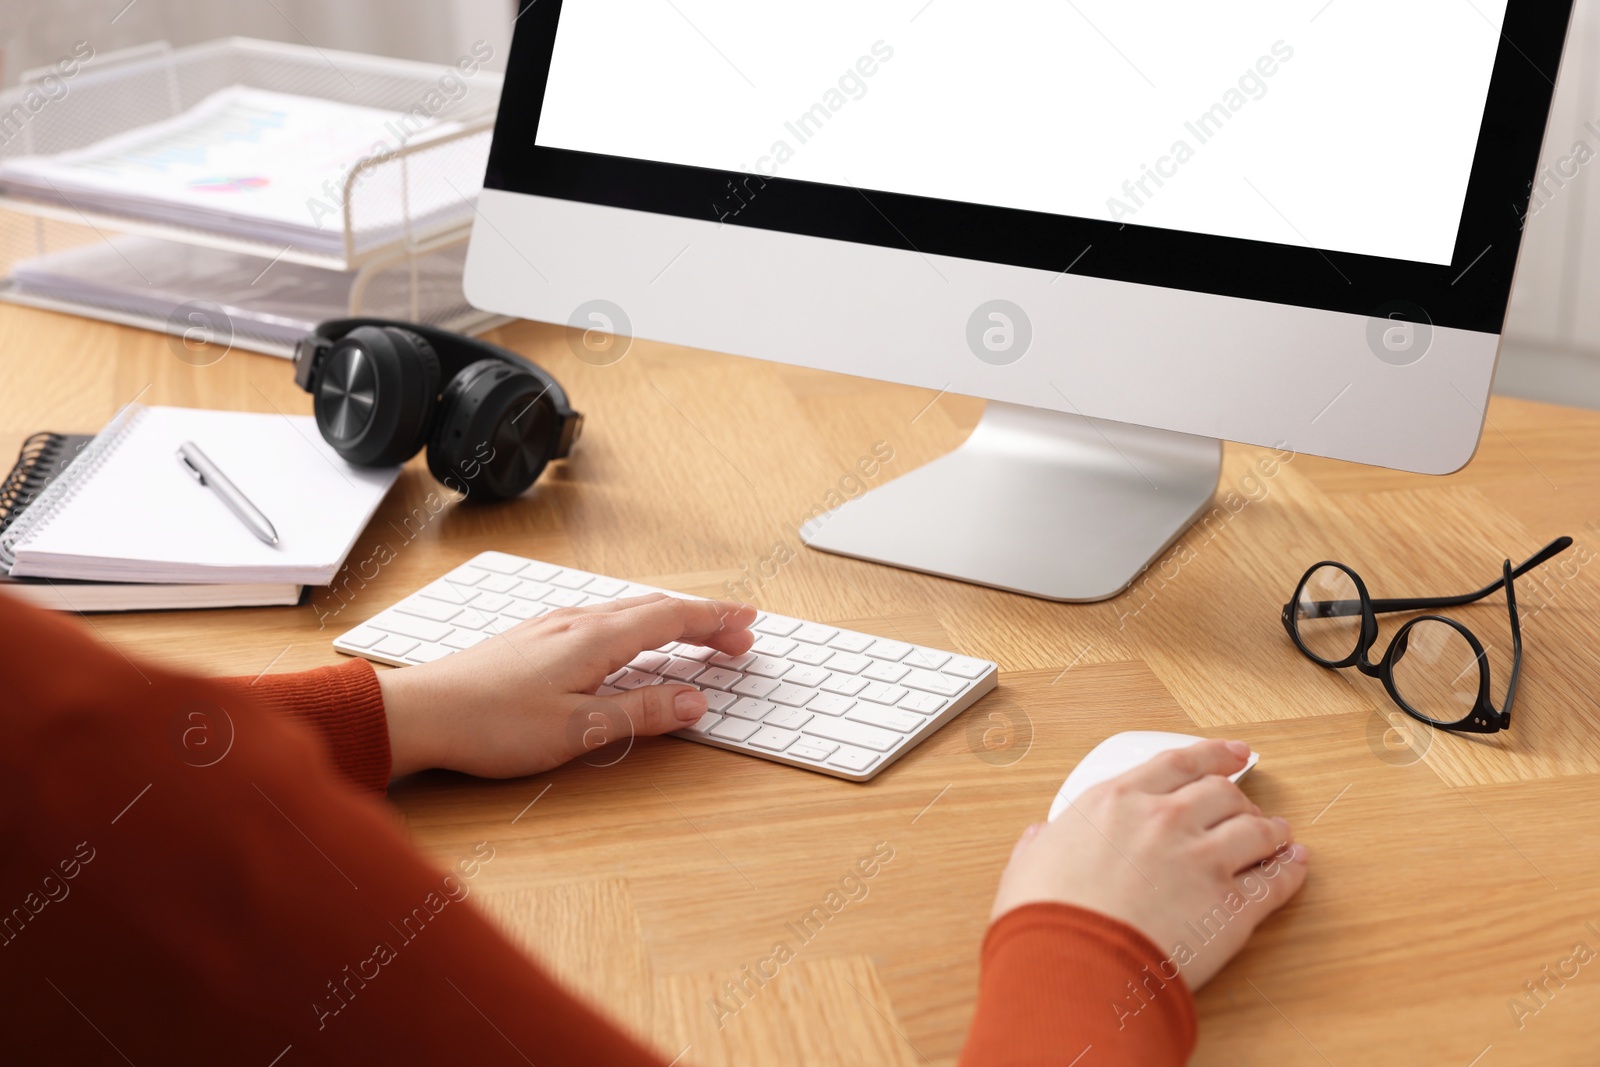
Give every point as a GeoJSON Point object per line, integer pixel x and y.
{"type": "Point", "coordinates": [376, 394]}
{"type": "Point", "coordinates": [495, 433]}
{"type": "Point", "coordinates": [432, 371]}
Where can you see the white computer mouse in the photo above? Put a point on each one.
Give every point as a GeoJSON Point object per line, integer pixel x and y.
{"type": "Point", "coordinates": [1123, 752]}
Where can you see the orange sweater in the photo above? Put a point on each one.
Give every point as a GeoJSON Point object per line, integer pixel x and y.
{"type": "Point", "coordinates": [197, 871]}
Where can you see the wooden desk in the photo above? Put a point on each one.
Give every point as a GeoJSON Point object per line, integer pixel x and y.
{"type": "Point", "coordinates": [1439, 886]}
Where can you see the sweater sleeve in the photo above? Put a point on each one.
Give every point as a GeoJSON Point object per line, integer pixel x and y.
{"type": "Point", "coordinates": [1059, 980]}
{"type": "Point", "coordinates": [189, 879]}
{"type": "Point", "coordinates": [343, 705]}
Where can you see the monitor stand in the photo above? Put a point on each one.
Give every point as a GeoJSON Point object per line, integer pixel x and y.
{"type": "Point", "coordinates": [1039, 502]}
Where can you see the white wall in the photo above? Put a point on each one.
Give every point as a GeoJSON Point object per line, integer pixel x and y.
{"type": "Point", "coordinates": [34, 33]}
{"type": "Point", "coordinates": [1552, 338]}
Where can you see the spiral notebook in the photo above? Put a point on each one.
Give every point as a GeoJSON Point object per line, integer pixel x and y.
{"type": "Point", "coordinates": [44, 456]}
{"type": "Point", "coordinates": [125, 509]}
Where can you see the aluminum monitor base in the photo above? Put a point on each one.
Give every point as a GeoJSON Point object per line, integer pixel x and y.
{"type": "Point", "coordinates": [1037, 502]}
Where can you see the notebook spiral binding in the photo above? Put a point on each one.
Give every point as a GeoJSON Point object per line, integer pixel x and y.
{"type": "Point", "coordinates": [27, 503]}
{"type": "Point", "coordinates": [39, 455]}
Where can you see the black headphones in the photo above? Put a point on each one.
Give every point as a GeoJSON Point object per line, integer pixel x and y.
{"type": "Point", "coordinates": [383, 389]}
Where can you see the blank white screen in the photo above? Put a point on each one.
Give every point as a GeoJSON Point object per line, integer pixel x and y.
{"type": "Point", "coordinates": [1361, 138]}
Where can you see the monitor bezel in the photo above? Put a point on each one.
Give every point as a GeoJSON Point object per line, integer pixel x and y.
{"type": "Point", "coordinates": [1469, 293]}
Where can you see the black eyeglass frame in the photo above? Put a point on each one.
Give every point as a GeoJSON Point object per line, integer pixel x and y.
{"type": "Point", "coordinates": [1483, 718]}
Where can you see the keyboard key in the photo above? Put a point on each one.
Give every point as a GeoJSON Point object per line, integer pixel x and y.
{"type": "Point", "coordinates": [767, 667]}
{"type": "Point", "coordinates": [490, 602]}
{"type": "Point", "coordinates": [966, 668]}
{"type": "Point", "coordinates": [885, 672]}
{"type": "Point", "coordinates": [394, 646]}
{"type": "Point", "coordinates": [651, 662]}
{"type": "Point", "coordinates": [471, 619]}
{"type": "Point", "coordinates": [500, 563]}
{"type": "Point", "coordinates": [500, 624]}
{"type": "Point", "coordinates": [539, 572]}
{"type": "Point", "coordinates": [810, 676]}
{"type": "Point", "coordinates": [703, 724]}
{"type": "Point", "coordinates": [852, 759]}
{"type": "Point", "coordinates": [682, 669]}
{"type": "Point", "coordinates": [632, 679]}
{"type": "Point", "coordinates": [933, 682]}
{"type": "Point", "coordinates": [772, 739]}
{"type": "Point", "coordinates": [848, 642]}
{"type": "Point", "coordinates": [829, 704]}
{"type": "Point", "coordinates": [467, 592]}
{"type": "Point", "coordinates": [460, 639]}
{"type": "Point", "coordinates": [890, 650]}
{"type": "Point", "coordinates": [777, 626]}
{"type": "Point", "coordinates": [606, 587]}
{"type": "Point", "coordinates": [717, 678]}
{"type": "Point", "coordinates": [443, 590]}
{"type": "Point", "coordinates": [848, 663]}
{"type": "Point", "coordinates": [747, 708]}
{"type": "Point", "coordinates": [362, 637]}
{"type": "Point", "coordinates": [522, 610]}
{"type": "Point", "coordinates": [927, 658]}
{"type": "Point", "coordinates": [852, 733]}
{"type": "Point", "coordinates": [754, 687]}
{"type": "Point", "coordinates": [533, 590]}
{"type": "Point", "coordinates": [562, 598]}
{"type": "Point", "coordinates": [812, 634]}
{"type": "Point", "coordinates": [428, 653]}
{"type": "Point", "coordinates": [926, 703]}
{"type": "Point", "coordinates": [812, 748]}
{"type": "Point", "coordinates": [889, 718]}
{"type": "Point", "coordinates": [409, 626]}
{"type": "Point", "coordinates": [788, 718]}
{"type": "Point", "coordinates": [499, 583]}
{"type": "Point", "coordinates": [571, 579]}
{"type": "Point", "coordinates": [466, 576]}
{"type": "Point", "coordinates": [733, 663]}
{"type": "Point", "coordinates": [699, 653]}
{"type": "Point", "coordinates": [796, 696]}
{"type": "Point", "coordinates": [717, 700]}
{"type": "Point", "coordinates": [733, 730]}
{"type": "Point", "coordinates": [768, 645]}
{"type": "Point", "coordinates": [883, 694]}
{"type": "Point", "coordinates": [844, 684]}
{"type": "Point", "coordinates": [815, 655]}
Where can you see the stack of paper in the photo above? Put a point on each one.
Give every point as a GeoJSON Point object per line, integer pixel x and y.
{"type": "Point", "coordinates": [265, 166]}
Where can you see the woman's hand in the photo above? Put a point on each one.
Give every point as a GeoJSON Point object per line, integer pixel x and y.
{"type": "Point", "coordinates": [523, 701]}
{"type": "Point", "coordinates": [1169, 848]}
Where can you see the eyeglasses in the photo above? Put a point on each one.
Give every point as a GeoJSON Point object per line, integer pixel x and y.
{"type": "Point", "coordinates": [1434, 668]}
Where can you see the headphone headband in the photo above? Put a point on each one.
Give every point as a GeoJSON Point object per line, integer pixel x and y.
{"type": "Point", "coordinates": [455, 352]}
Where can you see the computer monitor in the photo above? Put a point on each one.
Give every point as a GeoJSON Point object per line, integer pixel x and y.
{"type": "Point", "coordinates": [1136, 230]}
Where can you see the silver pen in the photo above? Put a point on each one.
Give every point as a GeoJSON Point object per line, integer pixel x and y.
{"type": "Point", "coordinates": [206, 473]}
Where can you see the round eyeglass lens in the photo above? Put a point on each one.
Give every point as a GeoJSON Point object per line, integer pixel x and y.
{"type": "Point", "coordinates": [1327, 614]}
{"type": "Point", "coordinates": [1437, 673]}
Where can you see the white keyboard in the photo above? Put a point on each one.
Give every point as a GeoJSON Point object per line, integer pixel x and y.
{"type": "Point", "coordinates": [806, 694]}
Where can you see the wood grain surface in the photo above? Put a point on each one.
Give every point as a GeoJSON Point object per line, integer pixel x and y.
{"type": "Point", "coordinates": [1446, 874]}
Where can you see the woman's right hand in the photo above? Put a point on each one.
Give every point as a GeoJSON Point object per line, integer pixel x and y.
{"type": "Point", "coordinates": [1163, 848]}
